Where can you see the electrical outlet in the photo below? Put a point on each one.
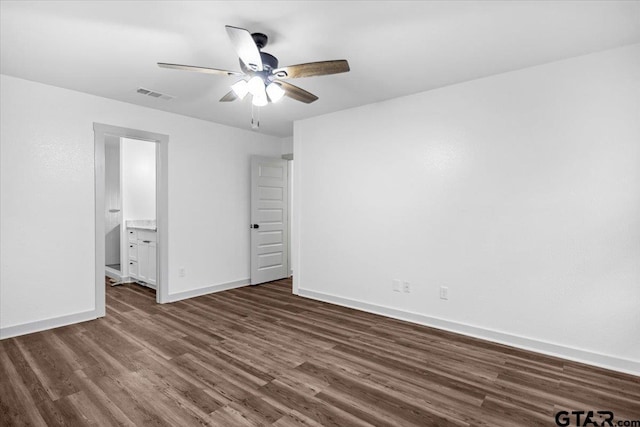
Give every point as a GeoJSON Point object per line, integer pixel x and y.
{"type": "Point", "coordinates": [406, 287]}
{"type": "Point", "coordinates": [444, 292]}
{"type": "Point", "coordinates": [395, 285]}
{"type": "Point", "coordinates": [181, 272]}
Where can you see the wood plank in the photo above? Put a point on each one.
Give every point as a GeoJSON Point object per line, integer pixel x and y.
{"type": "Point", "coordinates": [16, 402]}
{"type": "Point", "coordinates": [260, 356]}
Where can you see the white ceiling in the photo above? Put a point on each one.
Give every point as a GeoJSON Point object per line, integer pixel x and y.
{"type": "Point", "coordinates": [394, 48]}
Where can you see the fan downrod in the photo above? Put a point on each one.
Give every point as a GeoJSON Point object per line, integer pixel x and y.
{"type": "Point", "coordinates": [260, 39]}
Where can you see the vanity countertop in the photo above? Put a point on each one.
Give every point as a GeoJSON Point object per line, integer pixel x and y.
{"type": "Point", "coordinates": [142, 224]}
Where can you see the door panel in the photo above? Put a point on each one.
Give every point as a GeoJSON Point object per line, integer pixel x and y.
{"type": "Point", "coordinates": [265, 238]}
{"type": "Point", "coordinates": [269, 240]}
{"type": "Point", "coordinates": [270, 193]}
{"type": "Point", "coordinates": [270, 215]}
{"type": "Point", "coordinates": [143, 262]}
{"type": "Point", "coordinates": [270, 260]}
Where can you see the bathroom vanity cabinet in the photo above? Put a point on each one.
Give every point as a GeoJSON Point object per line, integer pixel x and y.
{"type": "Point", "coordinates": [142, 250]}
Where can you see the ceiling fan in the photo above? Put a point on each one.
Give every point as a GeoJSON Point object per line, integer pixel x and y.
{"type": "Point", "coordinates": [262, 77]}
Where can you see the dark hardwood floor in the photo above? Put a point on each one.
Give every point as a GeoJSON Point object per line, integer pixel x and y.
{"type": "Point", "coordinates": [261, 356]}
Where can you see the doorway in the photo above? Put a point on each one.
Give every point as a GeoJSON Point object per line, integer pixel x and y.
{"type": "Point", "coordinates": [104, 136]}
{"type": "Point", "coordinates": [130, 211]}
{"type": "Point", "coordinates": [269, 219]}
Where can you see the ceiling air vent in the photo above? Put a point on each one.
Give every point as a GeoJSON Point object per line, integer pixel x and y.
{"type": "Point", "coordinates": [154, 94]}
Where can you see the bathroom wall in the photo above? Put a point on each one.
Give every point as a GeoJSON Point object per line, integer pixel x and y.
{"type": "Point", "coordinates": [138, 179]}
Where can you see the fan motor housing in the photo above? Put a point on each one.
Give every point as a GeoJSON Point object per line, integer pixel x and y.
{"type": "Point", "coordinates": [269, 62]}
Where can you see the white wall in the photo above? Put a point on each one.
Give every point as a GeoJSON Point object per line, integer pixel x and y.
{"type": "Point", "coordinates": [138, 179]}
{"type": "Point", "coordinates": [520, 192]}
{"type": "Point", "coordinates": [287, 145]}
{"type": "Point", "coordinates": [47, 199]}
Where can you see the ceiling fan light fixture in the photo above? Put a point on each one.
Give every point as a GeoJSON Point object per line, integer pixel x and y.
{"type": "Point", "coordinates": [275, 92]}
{"type": "Point", "coordinates": [240, 88]}
{"type": "Point", "coordinates": [260, 71]}
{"type": "Point", "coordinates": [256, 86]}
{"type": "Point", "coordinates": [260, 100]}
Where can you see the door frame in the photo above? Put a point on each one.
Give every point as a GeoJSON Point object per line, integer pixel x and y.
{"type": "Point", "coordinates": [109, 271]}
{"type": "Point", "coordinates": [100, 130]}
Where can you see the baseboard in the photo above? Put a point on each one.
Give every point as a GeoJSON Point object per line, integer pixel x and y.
{"type": "Point", "coordinates": [583, 356]}
{"type": "Point", "coordinates": [208, 290]}
{"type": "Point", "coordinates": [110, 272]}
{"type": "Point", "coordinates": [42, 325]}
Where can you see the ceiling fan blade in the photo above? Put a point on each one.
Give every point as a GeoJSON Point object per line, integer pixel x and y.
{"type": "Point", "coordinates": [245, 47]}
{"type": "Point", "coordinates": [230, 96]}
{"type": "Point", "coordinates": [321, 68]}
{"type": "Point", "coordinates": [199, 69]}
{"type": "Point", "coordinates": [297, 93]}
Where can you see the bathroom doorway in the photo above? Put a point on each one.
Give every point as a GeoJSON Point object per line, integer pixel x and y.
{"type": "Point", "coordinates": [130, 211]}
{"type": "Point", "coordinates": [146, 201]}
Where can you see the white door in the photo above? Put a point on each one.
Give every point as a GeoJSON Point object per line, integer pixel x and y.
{"type": "Point", "coordinates": [269, 226]}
